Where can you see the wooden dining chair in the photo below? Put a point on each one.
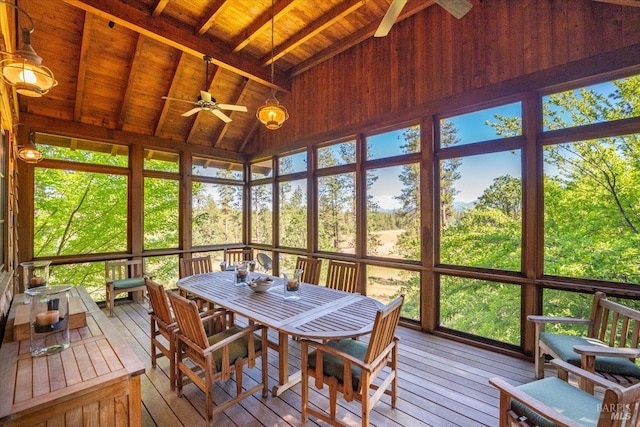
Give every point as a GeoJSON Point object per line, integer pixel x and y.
{"type": "Point", "coordinates": [195, 265]}
{"type": "Point", "coordinates": [310, 269]}
{"type": "Point", "coordinates": [215, 358]}
{"type": "Point", "coordinates": [164, 325]}
{"type": "Point", "coordinates": [343, 276]}
{"type": "Point", "coordinates": [351, 367]}
{"type": "Point", "coordinates": [557, 402]}
{"type": "Point", "coordinates": [232, 256]}
{"type": "Point", "coordinates": [123, 276]}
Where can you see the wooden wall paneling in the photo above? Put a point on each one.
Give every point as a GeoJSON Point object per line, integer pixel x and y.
{"type": "Point", "coordinates": [558, 38]}
{"type": "Point", "coordinates": [529, 37]}
{"type": "Point", "coordinates": [445, 39]}
{"type": "Point", "coordinates": [420, 60]}
{"type": "Point", "coordinates": [504, 48]}
{"type": "Point", "coordinates": [543, 30]}
{"type": "Point", "coordinates": [457, 46]}
{"type": "Point", "coordinates": [515, 19]}
{"type": "Point", "coordinates": [434, 35]}
{"type": "Point", "coordinates": [576, 33]}
{"type": "Point", "coordinates": [486, 48]}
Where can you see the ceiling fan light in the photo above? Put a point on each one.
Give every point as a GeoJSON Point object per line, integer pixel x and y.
{"type": "Point", "coordinates": [272, 114]}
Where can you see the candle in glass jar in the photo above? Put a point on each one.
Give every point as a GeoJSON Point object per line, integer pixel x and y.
{"type": "Point", "coordinates": [37, 280]}
{"type": "Point", "coordinates": [292, 284]}
{"type": "Point", "coordinates": [47, 318]}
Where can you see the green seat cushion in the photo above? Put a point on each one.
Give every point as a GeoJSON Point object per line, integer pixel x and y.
{"type": "Point", "coordinates": [334, 367]}
{"type": "Point", "coordinates": [128, 283]}
{"type": "Point", "coordinates": [562, 345]}
{"type": "Point", "coordinates": [237, 349]}
{"type": "Point", "coordinates": [570, 401]}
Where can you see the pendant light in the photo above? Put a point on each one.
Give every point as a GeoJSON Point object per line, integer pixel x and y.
{"type": "Point", "coordinates": [29, 153]}
{"type": "Point", "coordinates": [23, 69]}
{"type": "Point", "coordinates": [272, 114]}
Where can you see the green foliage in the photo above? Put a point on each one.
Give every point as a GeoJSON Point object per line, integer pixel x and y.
{"type": "Point", "coordinates": [79, 213]}
{"type": "Point", "coordinates": [161, 224]}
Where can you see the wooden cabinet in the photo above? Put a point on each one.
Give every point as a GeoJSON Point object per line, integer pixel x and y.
{"type": "Point", "coordinates": [96, 381]}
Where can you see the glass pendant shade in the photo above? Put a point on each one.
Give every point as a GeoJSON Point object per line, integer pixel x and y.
{"type": "Point", "coordinates": [272, 114]}
{"type": "Point", "coordinates": [29, 154]}
{"type": "Point", "coordinates": [24, 70]}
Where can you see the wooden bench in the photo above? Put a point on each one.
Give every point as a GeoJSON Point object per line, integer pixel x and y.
{"type": "Point", "coordinates": [609, 348]}
{"type": "Point", "coordinates": [96, 381]}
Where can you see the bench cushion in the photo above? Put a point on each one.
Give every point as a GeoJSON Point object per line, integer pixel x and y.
{"type": "Point", "coordinates": [237, 349]}
{"type": "Point", "coordinates": [334, 366]}
{"type": "Point", "coordinates": [570, 401]}
{"type": "Point", "coordinates": [128, 283]}
{"type": "Point", "coordinates": [563, 345]}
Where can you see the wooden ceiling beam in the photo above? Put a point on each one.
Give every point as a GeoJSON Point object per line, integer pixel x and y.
{"type": "Point", "coordinates": [159, 7]}
{"type": "Point", "coordinates": [315, 28]}
{"type": "Point", "coordinates": [82, 67]}
{"type": "Point", "coordinates": [182, 38]}
{"type": "Point", "coordinates": [239, 96]}
{"type": "Point", "coordinates": [261, 24]}
{"type": "Point", "coordinates": [215, 10]}
{"type": "Point", "coordinates": [249, 136]}
{"type": "Point", "coordinates": [172, 89]}
{"type": "Point", "coordinates": [355, 38]}
{"type": "Point", "coordinates": [633, 3]}
{"type": "Point", "coordinates": [134, 66]}
{"type": "Point", "coordinates": [213, 80]}
{"type": "Point", "coordinates": [72, 129]}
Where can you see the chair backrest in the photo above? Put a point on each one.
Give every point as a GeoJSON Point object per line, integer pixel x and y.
{"type": "Point", "coordinates": [265, 261]}
{"type": "Point", "coordinates": [124, 269]}
{"type": "Point", "coordinates": [343, 276]}
{"type": "Point", "coordinates": [159, 301]}
{"type": "Point", "coordinates": [188, 318]}
{"type": "Point", "coordinates": [310, 269]}
{"type": "Point", "coordinates": [195, 265]}
{"type": "Point", "coordinates": [614, 324]}
{"type": "Point", "coordinates": [384, 328]}
{"type": "Point", "coordinates": [237, 255]}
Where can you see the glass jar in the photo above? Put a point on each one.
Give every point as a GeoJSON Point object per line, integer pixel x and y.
{"type": "Point", "coordinates": [292, 285]}
{"type": "Point", "coordinates": [35, 273]}
{"type": "Point", "coordinates": [49, 319]}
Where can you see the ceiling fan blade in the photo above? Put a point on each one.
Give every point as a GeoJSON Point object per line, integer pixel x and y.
{"type": "Point", "coordinates": [205, 96]}
{"type": "Point", "coordinates": [178, 99]}
{"type": "Point", "coordinates": [390, 18]}
{"type": "Point", "coordinates": [457, 8]}
{"type": "Point", "coordinates": [191, 112]}
{"type": "Point", "coordinates": [231, 107]}
{"type": "Point", "coordinates": [222, 116]}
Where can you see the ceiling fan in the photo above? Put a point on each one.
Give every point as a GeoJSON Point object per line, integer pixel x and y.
{"type": "Point", "coordinates": [457, 8]}
{"type": "Point", "coordinates": [208, 103]}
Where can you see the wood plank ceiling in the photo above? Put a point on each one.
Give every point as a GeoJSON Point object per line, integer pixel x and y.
{"type": "Point", "coordinates": [115, 59]}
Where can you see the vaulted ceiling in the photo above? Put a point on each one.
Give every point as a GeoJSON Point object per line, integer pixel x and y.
{"type": "Point", "coordinates": [115, 59]}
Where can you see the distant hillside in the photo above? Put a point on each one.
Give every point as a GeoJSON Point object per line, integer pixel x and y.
{"type": "Point", "coordinates": [462, 206]}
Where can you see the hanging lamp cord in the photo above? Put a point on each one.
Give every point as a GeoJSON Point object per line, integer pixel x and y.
{"type": "Point", "coordinates": [273, 91]}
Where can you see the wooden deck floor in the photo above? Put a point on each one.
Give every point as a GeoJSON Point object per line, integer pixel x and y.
{"type": "Point", "coordinates": [442, 383]}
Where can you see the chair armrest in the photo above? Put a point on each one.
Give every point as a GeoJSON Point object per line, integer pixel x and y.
{"type": "Point", "coordinates": [537, 406]}
{"type": "Point", "coordinates": [249, 330]}
{"type": "Point", "coordinates": [330, 350]}
{"type": "Point", "coordinates": [597, 350]}
{"type": "Point", "coordinates": [108, 280]}
{"type": "Point", "coordinates": [550, 319]}
{"type": "Point", "coordinates": [581, 373]}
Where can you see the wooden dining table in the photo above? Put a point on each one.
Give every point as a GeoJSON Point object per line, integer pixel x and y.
{"type": "Point", "coordinates": [322, 313]}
